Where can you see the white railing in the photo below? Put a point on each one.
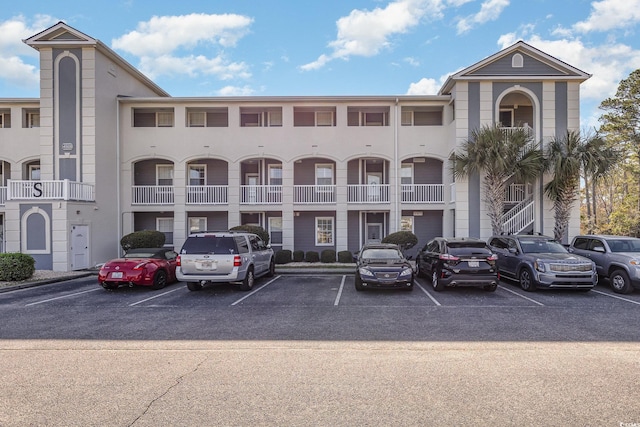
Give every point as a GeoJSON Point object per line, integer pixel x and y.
{"type": "Point", "coordinates": [260, 194]}
{"type": "Point", "coordinates": [50, 190]}
{"type": "Point", "coordinates": [207, 194]}
{"type": "Point", "coordinates": [519, 217]}
{"type": "Point", "coordinates": [152, 195]}
{"type": "Point", "coordinates": [316, 194]}
{"type": "Point", "coordinates": [515, 193]}
{"type": "Point", "coordinates": [422, 193]}
{"type": "Point", "coordinates": [528, 129]}
{"type": "Point", "coordinates": [3, 195]}
{"type": "Point", "coordinates": [368, 193]}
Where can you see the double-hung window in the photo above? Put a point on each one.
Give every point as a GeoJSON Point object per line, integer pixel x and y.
{"type": "Point", "coordinates": [324, 176]}
{"type": "Point", "coordinates": [164, 174]}
{"type": "Point", "coordinates": [324, 231]}
{"type": "Point", "coordinates": [165, 226]}
{"type": "Point", "coordinates": [197, 174]}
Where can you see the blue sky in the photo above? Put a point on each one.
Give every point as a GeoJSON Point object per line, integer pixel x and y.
{"type": "Point", "coordinates": [333, 47]}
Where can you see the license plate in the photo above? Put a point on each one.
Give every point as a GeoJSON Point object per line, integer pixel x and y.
{"type": "Point", "coordinates": [474, 264]}
{"type": "Point", "coordinates": [205, 265]}
{"type": "Point", "coordinates": [116, 275]}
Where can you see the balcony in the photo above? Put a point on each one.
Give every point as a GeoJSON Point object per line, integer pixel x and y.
{"type": "Point", "coordinates": [152, 195]}
{"type": "Point", "coordinates": [260, 194]}
{"type": "Point", "coordinates": [368, 193]}
{"type": "Point", "coordinates": [48, 190]}
{"type": "Point", "coordinates": [207, 194]}
{"type": "Point", "coordinates": [422, 193]}
{"type": "Point", "coordinates": [3, 195]}
{"type": "Point", "coordinates": [314, 194]}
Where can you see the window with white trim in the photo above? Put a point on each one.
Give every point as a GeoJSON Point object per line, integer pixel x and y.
{"type": "Point", "coordinates": [406, 223]}
{"type": "Point", "coordinates": [324, 174]}
{"type": "Point", "coordinates": [506, 117]}
{"type": "Point", "coordinates": [517, 61]}
{"type": "Point", "coordinates": [324, 231]}
{"type": "Point", "coordinates": [367, 116]}
{"type": "Point", "coordinates": [197, 224]}
{"type": "Point", "coordinates": [164, 174]}
{"type": "Point", "coordinates": [275, 174]}
{"type": "Point", "coordinates": [165, 226]}
{"type": "Point", "coordinates": [314, 116]}
{"type": "Point", "coordinates": [406, 173]}
{"type": "Point", "coordinates": [31, 118]}
{"type": "Point", "coordinates": [275, 230]}
{"type": "Point", "coordinates": [5, 118]}
{"type": "Point", "coordinates": [34, 172]}
{"type": "Point", "coordinates": [197, 174]}
{"type": "Point", "coordinates": [260, 117]}
{"type": "Point", "coordinates": [153, 117]}
{"type": "Point", "coordinates": [422, 116]}
{"type": "Point", "coordinates": [208, 117]}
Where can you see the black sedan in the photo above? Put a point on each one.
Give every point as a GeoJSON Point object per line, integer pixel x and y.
{"type": "Point", "coordinates": [383, 266]}
{"type": "Point", "coordinates": [458, 262]}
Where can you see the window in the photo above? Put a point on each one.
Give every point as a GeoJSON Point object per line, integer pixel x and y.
{"type": "Point", "coordinates": [406, 174]}
{"type": "Point", "coordinates": [149, 117]}
{"type": "Point", "coordinates": [197, 224]}
{"type": "Point", "coordinates": [324, 231]}
{"type": "Point", "coordinates": [196, 119]}
{"type": "Point", "coordinates": [517, 61]}
{"type": "Point", "coordinates": [5, 118]}
{"type": "Point", "coordinates": [367, 116]}
{"type": "Point", "coordinates": [275, 230]}
{"type": "Point", "coordinates": [324, 174]}
{"type": "Point", "coordinates": [421, 116]}
{"type": "Point", "coordinates": [34, 172]}
{"type": "Point", "coordinates": [164, 174]}
{"type": "Point", "coordinates": [314, 116]}
{"type": "Point", "coordinates": [207, 117]}
{"type": "Point", "coordinates": [31, 118]}
{"type": "Point", "coordinates": [506, 117]}
{"type": "Point", "coordinates": [259, 117]}
{"type": "Point", "coordinates": [197, 174]}
{"type": "Point", "coordinates": [165, 226]}
{"type": "Point", "coordinates": [275, 174]}
{"type": "Point", "coordinates": [406, 223]}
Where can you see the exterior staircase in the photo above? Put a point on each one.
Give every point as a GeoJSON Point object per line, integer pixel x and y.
{"type": "Point", "coordinates": [520, 217]}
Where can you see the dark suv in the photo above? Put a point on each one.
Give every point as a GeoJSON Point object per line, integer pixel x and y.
{"type": "Point", "coordinates": [458, 262]}
{"type": "Point", "coordinates": [540, 261]}
{"type": "Point", "coordinates": [224, 256]}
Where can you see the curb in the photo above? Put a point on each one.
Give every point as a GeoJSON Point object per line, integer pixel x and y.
{"type": "Point", "coordinates": [26, 285]}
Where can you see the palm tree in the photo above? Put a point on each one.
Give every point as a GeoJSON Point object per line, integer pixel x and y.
{"type": "Point", "coordinates": [566, 157]}
{"type": "Point", "coordinates": [502, 155]}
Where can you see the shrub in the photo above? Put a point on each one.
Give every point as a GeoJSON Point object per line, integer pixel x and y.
{"type": "Point", "coordinates": [255, 229]}
{"type": "Point", "coordinates": [283, 256]}
{"type": "Point", "coordinates": [328, 256]}
{"type": "Point", "coordinates": [142, 239]}
{"type": "Point", "coordinates": [16, 266]}
{"type": "Point", "coordinates": [404, 239]}
{"type": "Point", "coordinates": [298, 256]}
{"type": "Point", "coordinates": [312, 256]}
{"type": "Point", "coordinates": [345, 257]}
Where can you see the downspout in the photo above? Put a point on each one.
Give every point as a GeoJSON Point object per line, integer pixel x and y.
{"type": "Point", "coordinates": [395, 227]}
{"type": "Point", "coordinates": [118, 171]}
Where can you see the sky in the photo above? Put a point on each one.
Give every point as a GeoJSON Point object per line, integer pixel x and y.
{"type": "Point", "coordinates": [330, 47]}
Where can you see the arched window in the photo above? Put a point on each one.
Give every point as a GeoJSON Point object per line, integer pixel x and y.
{"type": "Point", "coordinates": [36, 232]}
{"type": "Point", "coordinates": [517, 61]}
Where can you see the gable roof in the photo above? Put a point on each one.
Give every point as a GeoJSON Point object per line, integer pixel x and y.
{"type": "Point", "coordinates": [536, 65]}
{"type": "Point", "coordinates": [64, 36]}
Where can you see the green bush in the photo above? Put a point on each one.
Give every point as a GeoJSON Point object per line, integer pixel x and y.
{"type": "Point", "coordinates": [298, 256]}
{"type": "Point", "coordinates": [312, 256]}
{"type": "Point", "coordinates": [345, 257]}
{"type": "Point", "coordinates": [283, 256]}
{"type": "Point", "coordinates": [255, 229]}
{"type": "Point", "coordinates": [328, 256]}
{"type": "Point", "coordinates": [404, 239]}
{"type": "Point", "coordinates": [142, 239]}
{"type": "Point", "coordinates": [16, 266]}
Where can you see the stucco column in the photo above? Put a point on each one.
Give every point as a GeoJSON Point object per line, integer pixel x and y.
{"type": "Point", "coordinates": [234, 194]}
{"type": "Point", "coordinates": [288, 236]}
{"type": "Point", "coordinates": [341, 207]}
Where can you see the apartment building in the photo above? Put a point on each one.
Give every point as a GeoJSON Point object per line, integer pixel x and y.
{"type": "Point", "coordinates": [104, 151]}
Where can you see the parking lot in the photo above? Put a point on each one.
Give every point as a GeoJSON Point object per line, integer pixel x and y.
{"type": "Point", "coordinates": [311, 350]}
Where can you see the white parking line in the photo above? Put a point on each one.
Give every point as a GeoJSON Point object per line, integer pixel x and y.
{"type": "Point", "coordinates": [64, 296]}
{"type": "Point", "coordinates": [155, 296]}
{"type": "Point", "coordinates": [415, 282]}
{"type": "Point", "coordinates": [340, 291]}
{"type": "Point", "coordinates": [616, 297]}
{"type": "Point", "coordinates": [257, 290]}
{"type": "Point", "coordinates": [521, 296]}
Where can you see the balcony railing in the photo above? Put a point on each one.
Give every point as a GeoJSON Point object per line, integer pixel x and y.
{"type": "Point", "coordinates": [368, 193]}
{"type": "Point", "coordinates": [515, 193]}
{"type": "Point", "coordinates": [207, 194]}
{"type": "Point", "coordinates": [260, 194]}
{"type": "Point", "coordinates": [316, 194]}
{"type": "Point", "coordinates": [152, 195]}
{"type": "Point", "coordinates": [422, 193]}
{"type": "Point", "coordinates": [49, 190]}
{"type": "Point", "coordinates": [3, 195]}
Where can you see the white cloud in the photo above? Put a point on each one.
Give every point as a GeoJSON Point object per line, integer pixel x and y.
{"type": "Point", "coordinates": [412, 61]}
{"type": "Point", "coordinates": [236, 91]}
{"type": "Point", "coordinates": [356, 34]}
{"type": "Point", "coordinates": [160, 41]}
{"type": "Point", "coordinates": [610, 14]}
{"type": "Point", "coordinates": [489, 11]}
{"type": "Point", "coordinates": [428, 86]}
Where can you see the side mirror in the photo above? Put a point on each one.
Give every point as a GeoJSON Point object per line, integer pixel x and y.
{"type": "Point", "coordinates": [513, 251]}
{"type": "Point", "coordinates": [599, 249]}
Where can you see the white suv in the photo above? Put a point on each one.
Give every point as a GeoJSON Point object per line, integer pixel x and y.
{"type": "Point", "coordinates": [224, 256]}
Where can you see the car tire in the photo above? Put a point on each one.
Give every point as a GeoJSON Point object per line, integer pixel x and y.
{"type": "Point", "coordinates": [249, 280]}
{"type": "Point", "coordinates": [620, 282]}
{"type": "Point", "coordinates": [419, 271]}
{"type": "Point", "coordinates": [194, 286]}
{"type": "Point", "coordinates": [490, 288]}
{"type": "Point", "coordinates": [109, 286]}
{"type": "Point", "coordinates": [525, 278]}
{"type": "Point", "coordinates": [435, 282]}
{"type": "Point", "coordinates": [159, 280]}
{"type": "Point", "coordinates": [272, 268]}
{"type": "Point", "coordinates": [358, 283]}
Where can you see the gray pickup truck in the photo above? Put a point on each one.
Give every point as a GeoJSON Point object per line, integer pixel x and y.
{"type": "Point", "coordinates": [616, 257]}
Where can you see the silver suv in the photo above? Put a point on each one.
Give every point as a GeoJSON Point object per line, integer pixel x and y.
{"type": "Point", "coordinates": [224, 256]}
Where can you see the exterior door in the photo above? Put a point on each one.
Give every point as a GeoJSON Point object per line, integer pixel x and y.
{"type": "Point", "coordinates": [373, 190]}
{"type": "Point", "coordinates": [252, 181]}
{"type": "Point", "coordinates": [374, 233]}
{"type": "Point", "coordinates": [79, 247]}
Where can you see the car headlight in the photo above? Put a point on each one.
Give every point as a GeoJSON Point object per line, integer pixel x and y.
{"type": "Point", "coordinates": [539, 265]}
{"type": "Point", "coordinates": [407, 272]}
{"type": "Point", "coordinates": [635, 262]}
{"type": "Point", "coordinates": [365, 272]}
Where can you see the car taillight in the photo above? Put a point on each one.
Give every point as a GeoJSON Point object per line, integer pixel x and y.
{"type": "Point", "coordinates": [140, 266]}
{"type": "Point", "coordinates": [237, 261]}
{"type": "Point", "coordinates": [178, 261]}
{"type": "Point", "coordinates": [448, 257]}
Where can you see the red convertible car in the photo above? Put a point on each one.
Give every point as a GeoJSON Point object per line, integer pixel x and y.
{"type": "Point", "coordinates": [153, 267]}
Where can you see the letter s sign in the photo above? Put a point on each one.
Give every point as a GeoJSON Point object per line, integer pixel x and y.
{"type": "Point", "coordinates": [37, 189]}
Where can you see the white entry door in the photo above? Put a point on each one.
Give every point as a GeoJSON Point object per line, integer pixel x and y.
{"type": "Point", "coordinates": [374, 233]}
{"type": "Point", "coordinates": [79, 247]}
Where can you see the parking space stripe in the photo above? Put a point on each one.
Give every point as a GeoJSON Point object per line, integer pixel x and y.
{"type": "Point", "coordinates": [257, 290]}
{"type": "Point", "coordinates": [616, 297]}
{"type": "Point", "coordinates": [521, 296]}
{"type": "Point", "coordinates": [155, 296]}
{"type": "Point", "coordinates": [64, 296]}
{"type": "Point", "coordinates": [415, 282]}
{"type": "Point", "coordinates": [340, 291]}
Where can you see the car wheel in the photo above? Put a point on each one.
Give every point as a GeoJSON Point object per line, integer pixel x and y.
{"type": "Point", "coordinates": [359, 286]}
{"type": "Point", "coordinates": [526, 280]}
{"type": "Point", "coordinates": [419, 271]}
{"type": "Point", "coordinates": [620, 282]}
{"type": "Point", "coordinates": [249, 279]}
{"type": "Point", "coordinates": [435, 282]}
{"type": "Point", "coordinates": [491, 288]}
{"type": "Point", "coordinates": [194, 286]}
{"type": "Point", "coordinates": [159, 280]}
{"type": "Point", "coordinates": [109, 286]}
{"type": "Point", "coordinates": [272, 268]}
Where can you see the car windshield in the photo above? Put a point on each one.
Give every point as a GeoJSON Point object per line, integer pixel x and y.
{"type": "Point", "coordinates": [539, 246]}
{"type": "Point", "coordinates": [380, 253]}
{"type": "Point", "coordinates": [473, 250]}
{"type": "Point", "coordinates": [209, 245]}
{"type": "Point", "coordinates": [624, 245]}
